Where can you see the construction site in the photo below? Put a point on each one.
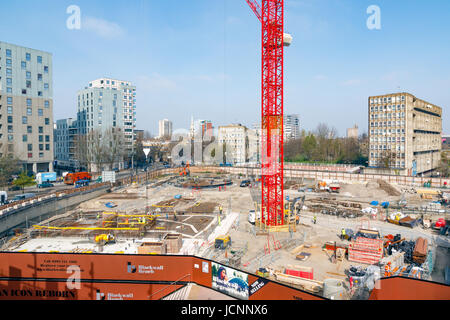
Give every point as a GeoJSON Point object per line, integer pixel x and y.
{"type": "Point", "coordinates": [253, 234]}
{"type": "Point", "coordinates": [333, 243]}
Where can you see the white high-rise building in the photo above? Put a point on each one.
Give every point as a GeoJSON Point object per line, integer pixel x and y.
{"type": "Point", "coordinates": [165, 128]}
{"type": "Point", "coordinates": [291, 127]}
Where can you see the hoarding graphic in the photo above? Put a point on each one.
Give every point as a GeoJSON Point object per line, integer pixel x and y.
{"type": "Point", "coordinates": [229, 281]}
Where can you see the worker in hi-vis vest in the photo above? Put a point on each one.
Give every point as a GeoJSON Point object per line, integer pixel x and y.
{"type": "Point", "coordinates": [342, 234]}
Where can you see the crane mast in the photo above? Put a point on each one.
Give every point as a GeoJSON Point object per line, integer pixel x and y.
{"type": "Point", "coordinates": [271, 15]}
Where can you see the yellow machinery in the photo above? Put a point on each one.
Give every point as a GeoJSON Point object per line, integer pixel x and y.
{"type": "Point", "coordinates": [104, 239]}
{"type": "Point", "coordinates": [222, 242]}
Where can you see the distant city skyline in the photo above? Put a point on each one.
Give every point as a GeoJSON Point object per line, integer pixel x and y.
{"type": "Point", "coordinates": [333, 65]}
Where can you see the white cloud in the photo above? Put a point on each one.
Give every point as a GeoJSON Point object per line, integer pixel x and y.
{"type": "Point", "coordinates": [102, 28]}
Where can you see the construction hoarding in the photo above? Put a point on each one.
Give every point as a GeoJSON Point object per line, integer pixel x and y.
{"type": "Point", "coordinates": [77, 276]}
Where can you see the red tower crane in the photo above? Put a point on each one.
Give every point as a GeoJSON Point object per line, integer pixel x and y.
{"type": "Point", "coordinates": [271, 15]}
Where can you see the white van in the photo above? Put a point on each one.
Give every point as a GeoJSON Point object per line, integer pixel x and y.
{"type": "Point", "coordinates": [252, 216]}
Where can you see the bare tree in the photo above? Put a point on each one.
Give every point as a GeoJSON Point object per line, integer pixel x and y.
{"type": "Point", "coordinates": [115, 148]}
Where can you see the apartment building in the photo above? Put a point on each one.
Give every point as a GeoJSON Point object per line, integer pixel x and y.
{"type": "Point", "coordinates": [234, 137]}
{"type": "Point", "coordinates": [352, 133]}
{"type": "Point", "coordinates": [108, 103]}
{"type": "Point", "coordinates": [404, 134]}
{"type": "Point", "coordinates": [26, 106]}
{"type": "Point", "coordinates": [65, 135]}
{"type": "Point", "coordinates": [291, 127]}
{"type": "Point", "coordinates": [165, 129]}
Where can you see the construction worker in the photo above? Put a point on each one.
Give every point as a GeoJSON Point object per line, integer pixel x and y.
{"type": "Point", "coordinates": [314, 219]}
{"type": "Point", "coordinates": [98, 216]}
{"type": "Point", "coordinates": [297, 219]}
{"type": "Point", "coordinates": [342, 234]}
{"type": "Point", "coordinates": [220, 209]}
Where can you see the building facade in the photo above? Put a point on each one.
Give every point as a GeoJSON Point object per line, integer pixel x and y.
{"type": "Point", "coordinates": [165, 129]}
{"type": "Point", "coordinates": [108, 106]}
{"type": "Point", "coordinates": [234, 137]}
{"type": "Point", "coordinates": [65, 135]}
{"type": "Point", "coordinates": [404, 134]}
{"type": "Point", "coordinates": [291, 127]}
{"type": "Point", "coordinates": [352, 133]}
{"type": "Point", "coordinates": [26, 106]}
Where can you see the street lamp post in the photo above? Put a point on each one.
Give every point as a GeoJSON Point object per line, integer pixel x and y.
{"type": "Point", "coordinates": [146, 151]}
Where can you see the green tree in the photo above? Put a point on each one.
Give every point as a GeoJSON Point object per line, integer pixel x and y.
{"type": "Point", "coordinates": [24, 181]}
{"type": "Point", "coordinates": [8, 166]}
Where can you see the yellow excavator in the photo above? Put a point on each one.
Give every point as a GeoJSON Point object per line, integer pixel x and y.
{"type": "Point", "coordinates": [104, 239]}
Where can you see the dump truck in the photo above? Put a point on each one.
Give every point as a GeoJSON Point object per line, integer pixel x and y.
{"type": "Point", "coordinates": [72, 178]}
{"type": "Point", "coordinates": [222, 242]}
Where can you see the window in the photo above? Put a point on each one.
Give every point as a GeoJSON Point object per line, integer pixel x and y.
{"type": "Point", "coordinates": [29, 130]}
{"type": "Point", "coordinates": [29, 102]}
{"type": "Point", "coordinates": [41, 138]}
{"type": "Point", "coordinates": [10, 137]}
{"type": "Point", "coordinates": [45, 86]}
{"type": "Point", "coordinates": [47, 147]}
{"type": "Point", "coordinates": [9, 100]}
{"type": "Point", "coordinates": [41, 129]}
{"type": "Point", "coordinates": [8, 53]}
{"type": "Point", "coordinates": [39, 59]}
{"type": "Point", "coordinates": [24, 65]}
{"type": "Point", "coordinates": [39, 77]}
{"type": "Point", "coordinates": [24, 138]}
{"type": "Point", "coordinates": [28, 84]}
{"type": "Point", "coordinates": [10, 110]}
{"type": "Point", "coordinates": [9, 81]}
{"type": "Point", "coordinates": [47, 121]}
{"type": "Point", "coordinates": [46, 70]}
{"type": "Point", "coordinates": [39, 93]}
{"type": "Point", "coordinates": [8, 90]}
{"type": "Point", "coordinates": [28, 57]}
{"type": "Point", "coordinates": [8, 71]}
{"type": "Point", "coordinates": [10, 129]}
{"type": "Point", "coordinates": [41, 154]}
{"type": "Point", "coordinates": [29, 112]}
{"type": "Point", "coordinates": [24, 120]}
{"type": "Point", "coordinates": [47, 138]}
{"type": "Point", "coordinates": [28, 75]}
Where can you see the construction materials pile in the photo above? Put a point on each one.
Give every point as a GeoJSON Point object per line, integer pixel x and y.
{"type": "Point", "coordinates": [420, 251]}
{"type": "Point", "coordinates": [386, 187]}
{"type": "Point", "coordinates": [365, 250]}
{"type": "Point", "coordinates": [407, 247]}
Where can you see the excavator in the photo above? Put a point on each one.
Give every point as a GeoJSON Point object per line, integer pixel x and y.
{"type": "Point", "coordinates": [185, 171]}
{"type": "Point", "coordinates": [104, 239]}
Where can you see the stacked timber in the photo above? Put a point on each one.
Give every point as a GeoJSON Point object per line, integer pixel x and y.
{"type": "Point", "coordinates": [364, 250]}
{"type": "Point", "coordinates": [420, 250]}
{"type": "Point", "coordinates": [306, 284]}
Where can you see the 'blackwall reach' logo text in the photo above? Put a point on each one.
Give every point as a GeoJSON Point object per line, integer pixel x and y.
{"type": "Point", "coordinates": [131, 268]}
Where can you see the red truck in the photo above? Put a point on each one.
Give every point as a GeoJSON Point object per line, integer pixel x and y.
{"type": "Point", "coordinates": [72, 178]}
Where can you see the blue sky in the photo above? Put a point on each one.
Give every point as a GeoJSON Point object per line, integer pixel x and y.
{"type": "Point", "coordinates": [202, 57]}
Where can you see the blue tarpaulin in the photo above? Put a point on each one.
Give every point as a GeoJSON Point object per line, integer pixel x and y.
{"type": "Point", "coordinates": [178, 196]}
{"type": "Point", "coordinates": [385, 204]}
{"type": "Point", "coordinates": [110, 205]}
{"type": "Point", "coordinates": [374, 203]}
